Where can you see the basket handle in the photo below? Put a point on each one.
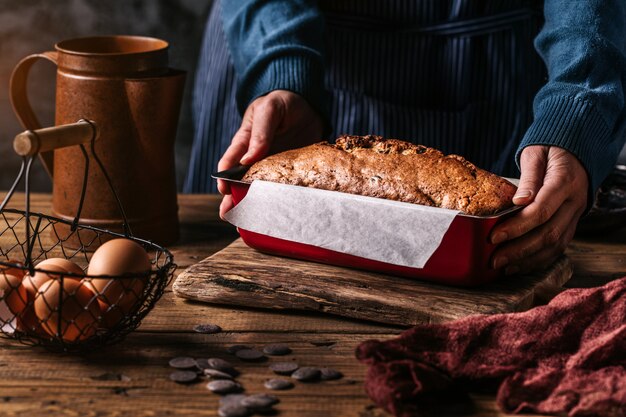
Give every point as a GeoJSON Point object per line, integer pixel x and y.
{"type": "Point", "coordinates": [32, 142]}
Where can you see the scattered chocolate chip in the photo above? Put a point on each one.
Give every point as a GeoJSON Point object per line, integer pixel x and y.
{"type": "Point", "coordinates": [215, 374]}
{"type": "Point", "coordinates": [277, 349]}
{"type": "Point", "coordinates": [222, 365]}
{"type": "Point", "coordinates": [306, 374]}
{"type": "Point", "coordinates": [250, 355]}
{"type": "Point", "coordinates": [219, 364]}
{"type": "Point", "coordinates": [183, 362]}
{"type": "Point", "coordinates": [259, 402]}
{"type": "Point", "coordinates": [233, 410]}
{"type": "Point", "coordinates": [235, 348]}
{"type": "Point", "coordinates": [232, 399]}
{"type": "Point", "coordinates": [223, 386]}
{"type": "Point", "coordinates": [284, 368]}
{"type": "Point", "coordinates": [278, 384]}
{"type": "Point", "coordinates": [329, 374]}
{"type": "Point", "coordinates": [202, 363]}
{"type": "Point", "coordinates": [207, 328]}
{"type": "Point", "coordinates": [183, 377]}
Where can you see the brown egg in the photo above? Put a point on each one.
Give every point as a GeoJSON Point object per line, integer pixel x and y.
{"type": "Point", "coordinates": [118, 296]}
{"type": "Point", "coordinates": [17, 272]}
{"type": "Point", "coordinates": [67, 265]}
{"type": "Point", "coordinates": [59, 265]}
{"type": "Point", "coordinates": [13, 295]}
{"type": "Point", "coordinates": [29, 320]}
{"type": "Point", "coordinates": [78, 309]}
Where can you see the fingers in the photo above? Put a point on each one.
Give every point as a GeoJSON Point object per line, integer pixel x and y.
{"type": "Point", "coordinates": [550, 236]}
{"type": "Point", "coordinates": [544, 257]}
{"type": "Point", "coordinates": [554, 188]}
{"type": "Point", "coordinates": [236, 150]}
{"type": "Point", "coordinates": [533, 164]}
{"type": "Point", "coordinates": [266, 119]}
{"type": "Point", "coordinates": [226, 205]}
{"type": "Point", "coordinates": [222, 187]}
{"type": "Point", "coordinates": [231, 158]}
{"type": "Point", "coordinates": [543, 202]}
{"type": "Point", "coordinates": [541, 210]}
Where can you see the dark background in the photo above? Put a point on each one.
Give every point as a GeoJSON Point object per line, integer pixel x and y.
{"type": "Point", "coordinates": [31, 26]}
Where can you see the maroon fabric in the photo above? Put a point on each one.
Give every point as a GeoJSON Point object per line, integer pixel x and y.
{"type": "Point", "coordinates": [567, 357]}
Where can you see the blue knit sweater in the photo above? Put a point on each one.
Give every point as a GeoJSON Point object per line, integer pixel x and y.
{"type": "Point", "coordinates": [278, 45]}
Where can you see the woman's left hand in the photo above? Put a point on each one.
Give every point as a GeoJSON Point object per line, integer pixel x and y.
{"type": "Point", "coordinates": [553, 187]}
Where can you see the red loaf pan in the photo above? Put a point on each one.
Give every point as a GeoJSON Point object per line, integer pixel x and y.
{"type": "Point", "coordinates": [462, 258]}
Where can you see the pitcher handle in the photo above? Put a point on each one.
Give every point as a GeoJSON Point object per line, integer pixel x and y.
{"type": "Point", "coordinates": [19, 99]}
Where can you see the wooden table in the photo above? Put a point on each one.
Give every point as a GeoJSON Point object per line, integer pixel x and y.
{"type": "Point", "coordinates": [131, 378]}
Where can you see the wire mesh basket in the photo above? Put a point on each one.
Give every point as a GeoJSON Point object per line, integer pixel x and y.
{"type": "Point", "coordinates": [47, 297]}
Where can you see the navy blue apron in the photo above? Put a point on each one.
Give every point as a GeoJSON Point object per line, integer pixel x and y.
{"type": "Point", "coordinates": [458, 75]}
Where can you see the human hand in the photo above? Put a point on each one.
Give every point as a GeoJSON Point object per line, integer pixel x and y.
{"type": "Point", "coordinates": [273, 123]}
{"type": "Point", "coordinates": [553, 187]}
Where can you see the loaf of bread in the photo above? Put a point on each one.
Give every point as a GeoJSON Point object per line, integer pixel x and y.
{"type": "Point", "coordinates": [391, 169]}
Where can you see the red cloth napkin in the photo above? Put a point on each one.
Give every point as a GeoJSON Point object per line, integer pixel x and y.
{"type": "Point", "coordinates": [567, 357]}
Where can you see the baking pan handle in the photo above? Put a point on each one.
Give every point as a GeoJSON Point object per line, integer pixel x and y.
{"type": "Point", "coordinates": [235, 173]}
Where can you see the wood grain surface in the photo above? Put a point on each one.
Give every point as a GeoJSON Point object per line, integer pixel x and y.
{"type": "Point", "coordinates": [131, 378]}
{"type": "Point", "coordinates": [239, 275]}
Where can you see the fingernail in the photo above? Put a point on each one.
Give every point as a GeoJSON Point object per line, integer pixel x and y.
{"type": "Point", "coordinates": [511, 270]}
{"type": "Point", "coordinates": [500, 261]}
{"type": "Point", "coordinates": [499, 238]}
{"type": "Point", "coordinates": [522, 194]}
{"type": "Point", "coordinates": [244, 159]}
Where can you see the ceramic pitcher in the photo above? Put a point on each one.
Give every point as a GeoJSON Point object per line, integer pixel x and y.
{"type": "Point", "coordinates": [125, 86]}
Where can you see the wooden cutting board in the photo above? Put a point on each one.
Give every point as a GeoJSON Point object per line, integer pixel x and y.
{"type": "Point", "coordinates": [239, 275]}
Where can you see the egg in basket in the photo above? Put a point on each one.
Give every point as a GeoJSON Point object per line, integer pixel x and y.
{"type": "Point", "coordinates": [55, 291]}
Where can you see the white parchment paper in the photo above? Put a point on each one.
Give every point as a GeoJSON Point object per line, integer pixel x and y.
{"type": "Point", "coordinates": [373, 228]}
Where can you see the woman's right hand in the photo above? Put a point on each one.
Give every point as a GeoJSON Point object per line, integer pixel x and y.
{"type": "Point", "coordinates": [272, 123]}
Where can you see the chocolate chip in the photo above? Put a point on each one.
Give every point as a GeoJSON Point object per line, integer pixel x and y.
{"type": "Point", "coordinates": [277, 349]}
{"type": "Point", "coordinates": [235, 348]}
{"type": "Point", "coordinates": [306, 374]}
{"type": "Point", "coordinates": [223, 386]}
{"type": "Point", "coordinates": [259, 401]}
{"type": "Point", "coordinates": [329, 374]}
{"type": "Point", "coordinates": [250, 355]}
{"type": "Point", "coordinates": [232, 399]}
{"type": "Point", "coordinates": [219, 364]}
{"type": "Point", "coordinates": [215, 374]}
{"type": "Point", "coordinates": [207, 328]}
{"type": "Point", "coordinates": [278, 384]}
{"type": "Point", "coordinates": [284, 368]}
{"type": "Point", "coordinates": [222, 365]}
{"type": "Point", "coordinates": [202, 363]}
{"type": "Point", "coordinates": [183, 362]}
{"type": "Point", "coordinates": [233, 410]}
{"type": "Point", "coordinates": [183, 377]}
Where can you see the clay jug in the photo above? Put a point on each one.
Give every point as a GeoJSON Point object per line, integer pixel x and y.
{"type": "Point", "coordinates": [124, 85]}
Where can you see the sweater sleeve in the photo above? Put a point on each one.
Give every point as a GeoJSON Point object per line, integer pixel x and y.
{"type": "Point", "coordinates": [581, 107]}
{"type": "Point", "coordinates": [276, 45]}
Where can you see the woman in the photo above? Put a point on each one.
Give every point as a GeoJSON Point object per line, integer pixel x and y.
{"type": "Point", "coordinates": [458, 75]}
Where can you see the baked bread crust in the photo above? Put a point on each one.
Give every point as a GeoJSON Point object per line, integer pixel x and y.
{"type": "Point", "coordinates": [391, 169]}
